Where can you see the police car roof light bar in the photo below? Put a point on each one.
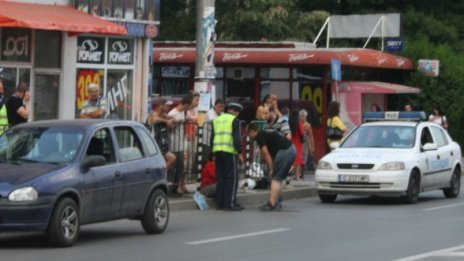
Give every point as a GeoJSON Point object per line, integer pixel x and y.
{"type": "Point", "coordinates": [394, 116]}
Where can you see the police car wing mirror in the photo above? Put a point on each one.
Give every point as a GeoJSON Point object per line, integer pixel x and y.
{"type": "Point", "coordinates": [429, 146]}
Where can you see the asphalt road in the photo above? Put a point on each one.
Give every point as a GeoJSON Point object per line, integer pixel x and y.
{"type": "Point", "coordinates": [352, 228]}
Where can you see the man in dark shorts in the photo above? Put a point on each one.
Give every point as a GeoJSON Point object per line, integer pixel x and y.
{"type": "Point", "coordinates": [278, 153]}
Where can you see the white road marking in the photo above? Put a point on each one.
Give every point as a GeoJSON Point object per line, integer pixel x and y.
{"type": "Point", "coordinates": [441, 252]}
{"type": "Point", "coordinates": [445, 206]}
{"type": "Point", "coordinates": [218, 239]}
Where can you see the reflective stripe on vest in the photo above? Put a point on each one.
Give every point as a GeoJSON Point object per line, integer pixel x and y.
{"type": "Point", "coordinates": [3, 119]}
{"type": "Point", "coordinates": [223, 130]}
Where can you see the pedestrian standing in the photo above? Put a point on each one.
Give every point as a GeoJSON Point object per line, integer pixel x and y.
{"type": "Point", "coordinates": [3, 113]}
{"type": "Point", "coordinates": [226, 147]}
{"type": "Point", "coordinates": [278, 153]}
{"type": "Point", "coordinates": [95, 106]}
{"type": "Point", "coordinates": [17, 106]}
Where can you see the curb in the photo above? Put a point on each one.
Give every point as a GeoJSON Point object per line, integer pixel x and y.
{"type": "Point", "coordinates": [247, 198]}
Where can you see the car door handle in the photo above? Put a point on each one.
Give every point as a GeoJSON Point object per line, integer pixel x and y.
{"type": "Point", "coordinates": [149, 170]}
{"type": "Point", "coordinates": [452, 153]}
{"type": "Point", "coordinates": [438, 156]}
{"type": "Point", "coordinates": [118, 174]}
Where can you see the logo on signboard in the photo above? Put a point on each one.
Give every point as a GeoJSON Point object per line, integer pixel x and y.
{"type": "Point", "coordinates": [233, 56]}
{"type": "Point", "coordinates": [294, 57]}
{"type": "Point", "coordinates": [119, 53]}
{"type": "Point", "coordinates": [169, 56]}
{"type": "Point", "coordinates": [90, 50]}
{"type": "Point", "coordinates": [394, 44]}
{"type": "Point", "coordinates": [16, 45]}
{"type": "Point", "coordinates": [151, 31]}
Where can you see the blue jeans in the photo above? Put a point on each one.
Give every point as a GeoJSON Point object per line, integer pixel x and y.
{"type": "Point", "coordinates": [283, 161]}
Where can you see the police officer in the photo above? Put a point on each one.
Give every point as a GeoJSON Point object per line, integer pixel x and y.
{"type": "Point", "coordinates": [225, 142]}
{"type": "Point", "coordinates": [3, 115]}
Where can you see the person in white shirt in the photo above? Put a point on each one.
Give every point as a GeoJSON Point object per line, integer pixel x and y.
{"type": "Point", "coordinates": [438, 118]}
{"type": "Point", "coordinates": [95, 106]}
{"type": "Point", "coordinates": [177, 143]}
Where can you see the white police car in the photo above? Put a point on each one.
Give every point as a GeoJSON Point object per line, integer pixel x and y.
{"type": "Point", "coordinates": [391, 157]}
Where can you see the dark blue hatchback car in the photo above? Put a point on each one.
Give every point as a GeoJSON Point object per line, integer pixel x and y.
{"type": "Point", "coordinates": [58, 175]}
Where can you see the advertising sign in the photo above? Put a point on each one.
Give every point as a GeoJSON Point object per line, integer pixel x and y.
{"type": "Point", "coordinates": [394, 44]}
{"type": "Point", "coordinates": [336, 69]}
{"type": "Point", "coordinates": [429, 67]}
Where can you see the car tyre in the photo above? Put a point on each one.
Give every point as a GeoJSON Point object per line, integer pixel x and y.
{"type": "Point", "coordinates": [455, 184]}
{"type": "Point", "coordinates": [63, 229]}
{"type": "Point", "coordinates": [155, 218]}
{"type": "Point", "coordinates": [327, 198]}
{"type": "Point", "coordinates": [412, 193]}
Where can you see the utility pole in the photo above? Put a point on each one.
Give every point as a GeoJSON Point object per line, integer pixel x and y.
{"type": "Point", "coordinates": [205, 71]}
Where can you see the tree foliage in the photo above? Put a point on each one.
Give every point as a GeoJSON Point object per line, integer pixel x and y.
{"type": "Point", "coordinates": [430, 29]}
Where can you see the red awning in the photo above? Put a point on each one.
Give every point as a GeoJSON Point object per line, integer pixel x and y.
{"type": "Point", "coordinates": [54, 17]}
{"type": "Point", "coordinates": [278, 56]}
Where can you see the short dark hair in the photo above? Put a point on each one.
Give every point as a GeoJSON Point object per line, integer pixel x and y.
{"type": "Point", "coordinates": [185, 100]}
{"type": "Point", "coordinates": [253, 127]}
{"type": "Point", "coordinates": [22, 87]}
{"type": "Point", "coordinates": [218, 101]}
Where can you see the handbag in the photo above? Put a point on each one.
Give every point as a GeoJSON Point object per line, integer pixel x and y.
{"type": "Point", "coordinates": [333, 133]}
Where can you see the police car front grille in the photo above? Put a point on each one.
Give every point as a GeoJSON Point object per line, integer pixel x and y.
{"type": "Point", "coordinates": [355, 185]}
{"type": "Point", "coordinates": [354, 166]}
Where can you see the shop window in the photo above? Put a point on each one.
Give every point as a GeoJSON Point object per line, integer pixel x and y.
{"type": "Point", "coordinates": [47, 49]}
{"type": "Point", "coordinates": [280, 88]}
{"type": "Point", "coordinates": [119, 94]}
{"type": "Point", "coordinates": [12, 76]}
{"type": "Point", "coordinates": [171, 80]}
{"type": "Point", "coordinates": [275, 73]}
{"type": "Point", "coordinates": [46, 96]}
{"type": "Point", "coordinates": [107, 8]}
{"type": "Point", "coordinates": [240, 73]}
{"type": "Point", "coordinates": [129, 8]}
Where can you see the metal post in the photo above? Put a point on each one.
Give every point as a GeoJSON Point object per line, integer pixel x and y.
{"type": "Point", "coordinates": [205, 71]}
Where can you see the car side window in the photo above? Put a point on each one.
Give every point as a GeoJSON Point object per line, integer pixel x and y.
{"type": "Point", "coordinates": [426, 136]}
{"type": "Point", "coordinates": [440, 137]}
{"type": "Point", "coordinates": [130, 147]}
{"type": "Point", "coordinates": [148, 141]}
{"type": "Point", "coordinates": [101, 144]}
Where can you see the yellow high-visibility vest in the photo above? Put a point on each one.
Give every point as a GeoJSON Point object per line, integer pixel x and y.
{"type": "Point", "coordinates": [3, 119]}
{"type": "Point", "coordinates": [223, 138]}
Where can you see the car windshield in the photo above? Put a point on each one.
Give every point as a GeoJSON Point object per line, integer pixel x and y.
{"type": "Point", "coordinates": [48, 145]}
{"type": "Point", "coordinates": [381, 137]}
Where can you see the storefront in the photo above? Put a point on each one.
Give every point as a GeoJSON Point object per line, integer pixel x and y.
{"type": "Point", "coordinates": [60, 49]}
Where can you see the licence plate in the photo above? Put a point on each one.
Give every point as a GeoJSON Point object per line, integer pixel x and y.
{"type": "Point", "coordinates": [353, 178]}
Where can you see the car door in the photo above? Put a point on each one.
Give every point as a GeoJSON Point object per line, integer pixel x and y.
{"type": "Point", "coordinates": [135, 169]}
{"type": "Point", "coordinates": [429, 158]}
{"type": "Point", "coordinates": [100, 197]}
{"type": "Point", "coordinates": [445, 157]}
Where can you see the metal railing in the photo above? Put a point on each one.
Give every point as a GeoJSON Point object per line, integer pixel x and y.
{"type": "Point", "coordinates": [191, 142]}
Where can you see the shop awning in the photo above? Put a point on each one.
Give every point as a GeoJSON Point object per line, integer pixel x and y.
{"type": "Point", "coordinates": [54, 17]}
{"type": "Point", "coordinates": [376, 87]}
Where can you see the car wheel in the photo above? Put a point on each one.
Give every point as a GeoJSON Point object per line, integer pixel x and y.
{"type": "Point", "coordinates": [156, 215]}
{"type": "Point", "coordinates": [63, 229]}
{"type": "Point", "coordinates": [327, 198]}
{"type": "Point", "coordinates": [412, 193]}
{"type": "Point", "coordinates": [455, 184]}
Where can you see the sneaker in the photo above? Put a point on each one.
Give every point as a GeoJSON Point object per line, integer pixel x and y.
{"type": "Point", "coordinates": [269, 207]}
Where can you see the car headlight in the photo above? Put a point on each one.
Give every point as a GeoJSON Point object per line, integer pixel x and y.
{"type": "Point", "coordinates": [324, 165]}
{"type": "Point", "coordinates": [397, 165]}
{"type": "Point", "coordinates": [23, 194]}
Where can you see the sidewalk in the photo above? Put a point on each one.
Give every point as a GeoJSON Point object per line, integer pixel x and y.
{"type": "Point", "coordinates": [249, 198]}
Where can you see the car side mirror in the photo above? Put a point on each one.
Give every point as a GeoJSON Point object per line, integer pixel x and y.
{"type": "Point", "coordinates": [429, 146]}
{"type": "Point", "coordinates": [93, 161]}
